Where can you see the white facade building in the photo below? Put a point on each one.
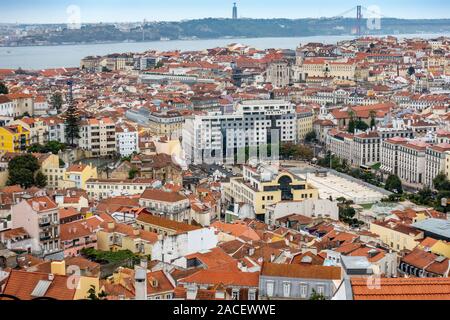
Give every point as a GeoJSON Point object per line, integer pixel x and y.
{"type": "Point", "coordinates": [254, 123]}
{"type": "Point", "coordinates": [127, 140]}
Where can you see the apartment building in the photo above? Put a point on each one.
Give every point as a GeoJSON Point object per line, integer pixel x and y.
{"type": "Point", "coordinates": [79, 235]}
{"type": "Point", "coordinates": [405, 159]}
{"type": "Point", "coordinates": [56, 129]}
{"type": "Point", "coordinates": [77, 175]}
{"type": "Point", "coordinates": [305, 119]}
{"type": "Point", "coordinates": [127, 139]}
{"type": "Point", "coordinates": [37, 128]}
{"type": "Point", "coordinates": [7, 107]}
{"type": "Point", "coordinates": [39, 216]}
{"type": "Point", "coordinates": [321, 67]}
{"type": "Point", "coordinates": [263, 186]}
{"type": "Point", "coordinates": [341, 144]}
{"type": "Point", "coordinates": [297, 282]}
{"type": "Point", "coordinates": [14, 138]}
{"type": "Point", "coordinates": [397, 235]}
{"type": "Point", "coordinates": [366, 148]}
{"type": "Point", "coordinates": [168, 204]}
{"type": "Point", "coordinates": [436, 157]}
{"type": "Point", "coordinates": [98, 137]}
{"type": "Point", "coordinates": [169, 124]}
{"type": "Point", "coordinates": [106, 188]}
{"type": "Point", "coordinates": [216, 137]}
{"type": "Point", "coordinates": [114, 236]}
{"type": "Point", "coordinates": [22, 104]}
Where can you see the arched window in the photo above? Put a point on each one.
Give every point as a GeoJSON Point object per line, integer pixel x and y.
{"type": "Point", "coordinates": [286, 189]}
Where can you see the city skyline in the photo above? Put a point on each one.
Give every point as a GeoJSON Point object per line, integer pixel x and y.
{"type": "Point", "coordinates": [27, 11]}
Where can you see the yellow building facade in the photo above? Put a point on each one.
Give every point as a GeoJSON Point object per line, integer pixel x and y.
{"type": "Point", "coordinates": [304, 124]}
{"type": "Point", "coordinates": [14, 138]}
{"type": "Point", "coordinates": [262, 187]}
{"type": "Point", "coordinates": [398, 237]}
{"type": "Point", "coordinates": [116, 237]}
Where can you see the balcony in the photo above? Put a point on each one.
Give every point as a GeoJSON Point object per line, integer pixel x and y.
{"type": "Point", "coordinates": [44, 223]}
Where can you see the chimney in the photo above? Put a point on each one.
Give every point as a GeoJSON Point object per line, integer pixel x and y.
{"type": "Point", "coordinates": [140, 283]}
{"type": "Point", "coordinates": [35, 206]}
{"type": "Point", "coordinates": [251, 251]}
{"type": "Point", "coordinates": [144, 263]}
{"type": "Point", "coordinates": [58, 267]}
{"type": "Point", "coordinates": [191, 292]}
{"type": "Point", "coordinates": [111, 225]}
{"type": "Point", "coordinates": [51, 277]}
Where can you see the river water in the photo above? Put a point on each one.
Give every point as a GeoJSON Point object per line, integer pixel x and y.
{"type": "Point", "coordinates": [42, 57]}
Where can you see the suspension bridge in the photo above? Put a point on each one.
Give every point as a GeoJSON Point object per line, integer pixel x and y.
{"type": "Point", "coordinates": [361, 13]}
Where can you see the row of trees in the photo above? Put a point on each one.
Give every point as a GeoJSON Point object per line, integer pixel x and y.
{"type": "Point", "coordinates": [52, 146]}
{"type": "Point", "coordinates": [425, 196]}
{"type": "Point", "coordinates": [296, 151]}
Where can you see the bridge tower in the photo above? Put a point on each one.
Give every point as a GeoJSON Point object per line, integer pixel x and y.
{"type": "Point", "coordinates": [359, 18]}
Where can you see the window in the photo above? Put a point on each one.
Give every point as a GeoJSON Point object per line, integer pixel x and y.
{"type": "Point", "coordinates": [235, 294]}
{"type": "Point", "coordinates": [321, 289]}
{"type": "Point", "coordinates": [303, 291]}
{"type": "Point", "coordinates": [270, 287]}
{"type": "Point", "coordinates": [252, 294]}
{"type": "Point", "coordinates": [286, 289]}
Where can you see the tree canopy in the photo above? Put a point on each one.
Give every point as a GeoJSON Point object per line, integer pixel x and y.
{"type": "Point", "coordinates": [3, 88]}
{"type": "Point", "coordinates": [72, 122]}
{"type": "Point", "coordinates": [394, 184]}
{"type": "Point", "coordinates": [22, 171]}
{"type": "Point", "coordinates": [56, 101]}
{"type": "Point", "coordinates": [51, 146]}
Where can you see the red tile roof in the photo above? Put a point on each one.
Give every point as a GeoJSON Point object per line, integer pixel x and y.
{"type": "Point", "coordinates": [22, 283]}
{"type": "Point", "coordinates": [207, 277]}
{"type": "Point", "coordinates": [403, 289]}
{"type": "Point", "coordinates": [301, 271]}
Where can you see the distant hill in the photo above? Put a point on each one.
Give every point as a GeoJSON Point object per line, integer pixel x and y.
{"type": "Point", "coordinates": [221, 28]}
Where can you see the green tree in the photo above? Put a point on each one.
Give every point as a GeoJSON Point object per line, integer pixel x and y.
{"type": "Point", "coordinates": [311, 137]}
{"type": "Point", "coordinates": [361, 125]}
{"type": "Point", "coordinates": [394, 184]}
{"type": "Point", "coordinates": [159, 64]}
{"type": "Point", "coordinates": [40, 180]}
{"type": "Point", "coordinates": [3, 88]}
{"type": "Point", "coordinates": [373, 116]}
{"type": "Point", "coordinates": [411, 71]}
{"type": "Point", "coordinates": [72, 122]}
{"type": "Point", "coordinates": [132, 173]}
{"type": "Point", "coordinates": [22, 170]}
{"type": "Point", "coordinates": [56, 101]}
{"type": "Point", "coordinates": [441, 182]}
{"type": "Point", "coordinates": [316, 296]}
{"type": "Point", "coordinates": [22, 177]}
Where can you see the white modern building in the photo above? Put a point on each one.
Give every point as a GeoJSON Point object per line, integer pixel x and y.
{"type": "Point", "coordinates": [127, 140]}
{"type": "Point", "coordinates": [216, 136]}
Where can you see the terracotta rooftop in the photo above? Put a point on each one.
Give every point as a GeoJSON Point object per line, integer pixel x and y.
{"type": "Point", "coordinates": [301, 271]}
{"type": "Point", "coordinates": [166, 223]}
{"type": "Point", "coordinates": [22, 284]}
{"type": "Point", "coordinates": [161, 195]}
{"type": "Point", "coordinates": [403, 289]}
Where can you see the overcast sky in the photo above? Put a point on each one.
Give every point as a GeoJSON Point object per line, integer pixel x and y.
{"type": "Point", "coordinates": [55, 11]}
